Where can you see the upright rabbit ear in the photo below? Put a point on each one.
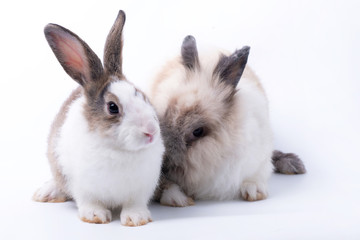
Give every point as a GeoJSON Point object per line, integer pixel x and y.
{"type": "Point", "coordinates": [230, 68]}
{"type": "Point", "coordinates": [74, 55]}
{"type": "Point", "coordinates": [113, 47]}
{"type": "Point", "coordinates": [189, 53]}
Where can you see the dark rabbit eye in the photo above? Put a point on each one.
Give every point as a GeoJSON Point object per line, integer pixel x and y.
{"type": "Point", "coordinates": [113, 108]}
{"type": "Point", "coordinates": [199, 132]}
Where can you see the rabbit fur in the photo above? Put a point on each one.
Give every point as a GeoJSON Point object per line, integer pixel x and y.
{"type": "Point", "coordinates": [105, 148]}
{"type": "Point", "coordinates": [215, 123]}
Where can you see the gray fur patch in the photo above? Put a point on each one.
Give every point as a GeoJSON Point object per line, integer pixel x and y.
{"type": "Point", "coordinates": [231, 68]}
{"type": "Point", "coordinates": [287, 163]}
{"type": "Point", "coordinates": [189, 53]}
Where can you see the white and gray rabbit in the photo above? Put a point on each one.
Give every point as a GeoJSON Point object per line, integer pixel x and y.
{"type": "Point", "coordinates": [105, 148]}
{"type": "Point", "coordinates": [214, 119]}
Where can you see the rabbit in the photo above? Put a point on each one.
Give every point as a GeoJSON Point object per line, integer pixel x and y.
{"type": "Point", "coordinates": [105, 147]}
{"type": "Point", "coordinates": [214, 118]}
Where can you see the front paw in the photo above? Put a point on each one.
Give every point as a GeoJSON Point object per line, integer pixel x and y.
{"type": "Point", "coordinates": [49, 193]}
{"type": "Point", "coordinates": [135, 217]}
{"type": "Point", "coordinates": [94, 214]}
{"type": "Point", "coordinates": [251, 191]}
{"type": "Point", "coordinates": [174, 197]}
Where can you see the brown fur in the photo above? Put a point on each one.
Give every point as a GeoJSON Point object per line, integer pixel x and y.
{"type": "Point", "coordinates": [98, 116]}
{"type": "Point", "coordinates": [113, 47]}
{"type": "Point", "coordinates": [59, 178]}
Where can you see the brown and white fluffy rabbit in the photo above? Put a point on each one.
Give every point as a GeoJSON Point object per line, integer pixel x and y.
{"type": "Point", "coordinates": [105, 148]}
{"type": "Point", "coordinates": [215, 123]}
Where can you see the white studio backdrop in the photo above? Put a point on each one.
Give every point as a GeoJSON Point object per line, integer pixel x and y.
{"type": "Point", "coordinates": [307, 55]}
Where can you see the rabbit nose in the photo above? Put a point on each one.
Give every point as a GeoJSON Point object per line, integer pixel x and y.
{"type": "Point", "coordinates": [149, 137]}
{"type": "Point", "coordinates": [150, 131]}
{"type": "Point", "coordinates": [150, 128]}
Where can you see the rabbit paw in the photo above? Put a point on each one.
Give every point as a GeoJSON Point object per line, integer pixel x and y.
{"type": "Point", "coordinates": [251, 191]}
{"type": "Point", "coordinates": [135, 217]}
{"type": "Point", "coordinates": [94, 214]}
{"type": "Point", "coordinates": [174, 197]}
{"type": "Point", "coordinates": [49, 193]}
{"type": "Point", "coordinates": [287, 163]}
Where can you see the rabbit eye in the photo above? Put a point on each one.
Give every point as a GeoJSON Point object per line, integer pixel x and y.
{"type": "Point", "coordinates": [196, 134]}
{"type": "Point", "coordinates": [199, 132]}
{"type": "Point", "coordinates": [113, 108]}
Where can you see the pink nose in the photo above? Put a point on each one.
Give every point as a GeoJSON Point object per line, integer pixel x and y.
{"type": "Point", "coordinates": [149, 137]}
{"type": "Point", "coordinates": [150, 128]}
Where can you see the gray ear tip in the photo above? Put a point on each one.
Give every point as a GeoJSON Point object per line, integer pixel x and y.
{"type": "Point", "coordinates": [245, 49]}
{"type": "Point", "coordinates": [122, 15]}
{"type": "Point", "coordinates": [52, 27]}
{"type": "Point", "coordinates": [49, 27]}
{"type": "Point", "coordinates": [241, 53]}
{"type": "Point", "coordinates": [49, 31]}
{"type": "Point", "coordinates": [189, 38]}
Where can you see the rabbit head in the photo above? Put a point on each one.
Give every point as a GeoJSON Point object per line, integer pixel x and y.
{"type": "Point", "coordinates": [113, 107]}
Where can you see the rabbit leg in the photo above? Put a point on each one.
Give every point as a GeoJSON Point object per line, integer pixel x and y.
{"type": "Point", "coordinates": [133, 215]}
{"type": "Point", "coordinates": [94, 213]}
{"type": "Point", "coordinates": [173, 196]}
{"type": "Point", "coordinates": [252, 190]}
{"type": "Point", "coordinates": [50, 193]}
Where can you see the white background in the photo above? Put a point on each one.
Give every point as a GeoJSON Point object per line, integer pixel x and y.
{"type": "Point", "coordinates": [307, 54]}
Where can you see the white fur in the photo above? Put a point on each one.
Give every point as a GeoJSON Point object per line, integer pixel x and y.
{"type": "Point", "coordinates": [238, 163]}
{"type": "Point", "coordinates": [104, 173]}
{"type": "Point", "coordinates": [173, 196]}
{"type": "Point", "coordinates": [49, 193]}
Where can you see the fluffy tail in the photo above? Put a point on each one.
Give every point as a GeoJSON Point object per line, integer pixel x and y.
{"type": "Point", "coordinates": [287, 163]}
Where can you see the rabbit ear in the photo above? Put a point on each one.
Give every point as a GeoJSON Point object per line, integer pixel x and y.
{"type": "Point", "coordinates": [113, 47]}
{"type": "Point", "coordinates": [74, 55]}
{"type": "Point", "coordinates": [232, 67]}
{"type": "Point", "coordinates": [189, 53]}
